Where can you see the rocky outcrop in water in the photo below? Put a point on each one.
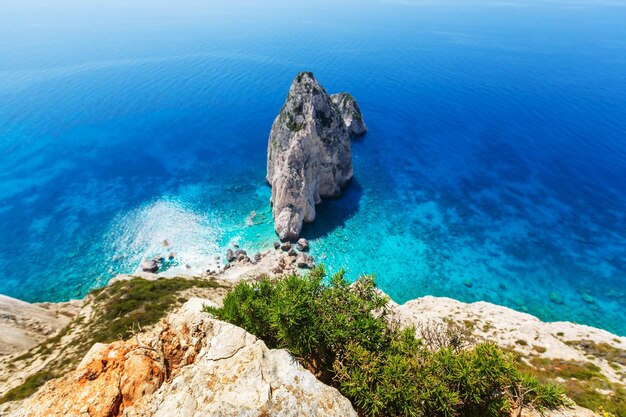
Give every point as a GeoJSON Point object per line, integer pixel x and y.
{"type": "Point", "coordinates": [350, 113]}
{"type": "Point", "coordinates": [308, 155]}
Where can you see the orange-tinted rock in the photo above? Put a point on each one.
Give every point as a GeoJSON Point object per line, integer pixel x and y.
{"type": "Point", "coordinates": [110, 378]}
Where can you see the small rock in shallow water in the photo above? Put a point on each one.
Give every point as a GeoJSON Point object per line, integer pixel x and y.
{"type": "Point", "coordinates": [276, 245]}
{"type": "Point", "coordinates": [230, 256]}
{"type": "Point", "coordinates": [150, 265]}
{"type": "Point", "coordinates": [303, 244]}
{"type": "Point", "coordinates": [286, 246]}
{"type": "Point", "coordinates": [468, 283]}
{"type": "Point", "coordinates": [304, 261]}
{"type": "Point", "coordinates": [292, 252]}
{"type": "Point", "coordinates": [301, 260]}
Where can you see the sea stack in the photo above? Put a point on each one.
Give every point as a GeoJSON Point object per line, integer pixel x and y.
{"type": "Point", "coordinates": [308, 154]}
{"type": "Point", "coordinates": [350, 113]}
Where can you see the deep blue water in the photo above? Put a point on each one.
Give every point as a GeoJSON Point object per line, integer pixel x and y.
{"type": "Point", "coordinates": [494, 168]}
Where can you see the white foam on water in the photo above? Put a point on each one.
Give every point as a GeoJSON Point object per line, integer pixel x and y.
{"type": "Point", "coordinates": [161, 228]}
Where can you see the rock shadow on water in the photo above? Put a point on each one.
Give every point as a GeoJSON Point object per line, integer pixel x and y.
{"type": "Point", "coordinates": [333, 212]}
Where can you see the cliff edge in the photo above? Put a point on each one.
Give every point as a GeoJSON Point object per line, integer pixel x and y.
{"type": "Point", "coordinates": [194, 366]}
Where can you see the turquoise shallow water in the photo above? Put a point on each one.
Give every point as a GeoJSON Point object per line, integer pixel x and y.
{"type": "Point", "coordinates": [493, 168]}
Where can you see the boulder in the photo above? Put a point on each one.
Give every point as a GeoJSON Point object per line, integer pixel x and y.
{"type": "Point", "coordinates": [286, 246]}
{"type": "Point", "coordinates": [109, 379]}
{"type": "Point", "coordinates": [230, 255]}
{"type": "Point", "coordinates": [301, 260]}
{"type": "Point", "coordinates": [304, 261]}
{"type": "Point", "coordinates": [351, 113]}
{"type": "Point", "coordinates": [151, 265]}
{"type": "Point", "coordinates": [308, 155]}
{"type": "Point", "coordinates": [302, 244]}
{"type": "Point", "coordinates": [276, 245]}
{"type": "Point", "coordinates": [235, 374]}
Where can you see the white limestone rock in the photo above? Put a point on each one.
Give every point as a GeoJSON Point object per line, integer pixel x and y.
{"type": "Point", "coordinates": [308, 156]}
{"type": "Point", "coordinates": [351, 113]}
{"type": "Point", "coordinates": [236, 374]}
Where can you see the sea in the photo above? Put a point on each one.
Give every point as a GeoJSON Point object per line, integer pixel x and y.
{"type": "Point", "coordinates": [494, 167]}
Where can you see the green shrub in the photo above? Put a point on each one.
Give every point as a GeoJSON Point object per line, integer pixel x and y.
{"type": "Point", "coordinates": [28, 387]}
{"type": "Point", "coordinates": [342, 333]}
{"type": "Point", "coordinates": [126, 305]}
{"type": "Point", "coordinates": [311, 319]}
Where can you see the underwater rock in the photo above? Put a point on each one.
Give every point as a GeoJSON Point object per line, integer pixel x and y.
{"type": "Point", "coordinates": [308, 155]}
{"type": "Point", "coordinates": [556, 298]}
{"type": "Point", "coordinates": [350, 113]}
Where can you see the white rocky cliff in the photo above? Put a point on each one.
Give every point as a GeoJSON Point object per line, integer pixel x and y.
{"type": "Point", "coordinates": [308, 154]}
{"type": "Point", "coordinates": [195, 366]}
{"type": "Point", "coordinates": [24, 325]}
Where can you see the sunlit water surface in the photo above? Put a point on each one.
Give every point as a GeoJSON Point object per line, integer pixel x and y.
{"type": "Point", "coordinates": [494, 168]}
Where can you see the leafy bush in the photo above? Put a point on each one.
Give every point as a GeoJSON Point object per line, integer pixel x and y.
{"type": "Point", "coordinates": [341, 332]}
{"type": "Point", "coordinates": [313, 320]}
